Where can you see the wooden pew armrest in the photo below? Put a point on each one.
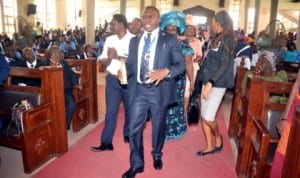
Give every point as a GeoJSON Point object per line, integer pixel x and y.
{"type": "Point", "coordinates": [36, 117]}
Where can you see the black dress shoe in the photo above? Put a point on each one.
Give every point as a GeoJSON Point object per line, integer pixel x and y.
{"type": "Point", "coordinates": [132, 172]}
{"type": "Point", "coordinates": [126, 139]}
{"type": "Point", "coordinates": [219, 148]}
{"type": "Point", "coordinates": [103, 147]}
{"type": "Point", "coordinates": [157, 164]}
{"type": "Point", "coordinates": [202, 153]}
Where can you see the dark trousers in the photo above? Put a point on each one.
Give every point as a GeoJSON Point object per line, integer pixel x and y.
{"type": "Point", "coordinates": [114, 94]}
{"type": "Point", "coordinates": [144, 100]}
{"type": "Point", "coordinates": [70, 107]}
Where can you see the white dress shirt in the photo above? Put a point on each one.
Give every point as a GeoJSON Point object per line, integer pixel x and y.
{"type": "Point", "coordinates": [31, 65]}
{"type": "Point", "coordinates": [154, 37]}
{"type": "Point", "coordinates": [122, 48]}
{"type": "Point", "coordinates": [121, 45]}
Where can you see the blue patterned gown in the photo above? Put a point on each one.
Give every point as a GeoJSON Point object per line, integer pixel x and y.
{"type": "Point", "coordinates": [176, 125]}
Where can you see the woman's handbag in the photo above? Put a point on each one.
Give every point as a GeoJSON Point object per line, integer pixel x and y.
{"type": "Point", "coordinates": [198, 79]}
{"type": "Point", "coordinates": [198, 83]}
{"type": "Point", "coordinates": [193, 110]}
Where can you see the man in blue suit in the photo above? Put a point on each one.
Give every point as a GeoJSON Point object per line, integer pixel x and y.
{"type": "Point", "coordinates": [4, 68]}
{"type": "Point", "coordinates": [4, 71]}
{"type": "Point", "coordinates": [154, 91]}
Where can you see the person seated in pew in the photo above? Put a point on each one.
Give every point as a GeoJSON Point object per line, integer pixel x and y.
{"type": "Point", "coordinates": [12, 54]}
{"type": "Point", "coordinates": [265, 68]}
{"type": "Point", "coordinates": [45, 42]}
{"type": "Point", "coordinates": [29, 61]}
{"type": "Point", "coordinates": [90, 52]}
{"type": "Point", "coordinates": [291, 53]}
{"type": "Point", "coordinates": [56, 59]}
{"type": "Point", "coordinates": [86, 52]}
{"type": "Point", "coordinates": [81, 53]}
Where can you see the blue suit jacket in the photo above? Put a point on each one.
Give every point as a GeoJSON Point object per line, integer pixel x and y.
{"type": "Point", "coordinates": [167, 55]}
{"type": "Point", "coordinates": [4, 68]}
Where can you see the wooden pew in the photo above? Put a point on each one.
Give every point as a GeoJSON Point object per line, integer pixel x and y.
{"type": "Point", "coordinates": [259, 165]}
{"type": "Point", "coordinates": [256, 105]}
{"type": "Point", "coordinates": [291, 67]}
{"type": "Point", "coordinates": [238, 104]}
{"type": "Point", "coordinates": [44, 134]}
{"type": "Point", "coordinates": [291, 166]}
{"type": "Point", "coordinates": [85, 98]}
{"type": "Point", "coordinates": [258, 154]}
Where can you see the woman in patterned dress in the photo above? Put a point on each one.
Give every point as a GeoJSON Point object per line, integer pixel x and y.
{"type": "Point", "coordinates": [174, 23]}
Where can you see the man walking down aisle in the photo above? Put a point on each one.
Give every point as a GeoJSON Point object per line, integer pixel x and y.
{"type": "Point", "coordinates": [154, 60]}
{"type": "Point", "coordinates": [115, 47]}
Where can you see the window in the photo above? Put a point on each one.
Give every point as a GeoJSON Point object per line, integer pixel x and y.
{"type": "Point", "coordinates": [197, 20]}
{"type": "Point", "coordinates": [46, 13]}
{"type": "Point", "coordinates": [9, 15]}
{"type": "Point", "coordinates": [74, 13]}
{"type": "Point", "coordinates": [251, 17]}
{"type": "Point", "coordinates": [234, 12]}
{"type": "Point", "coordinates": [288, 24]}
{"type": "Point", "coordinates": [165, 6]}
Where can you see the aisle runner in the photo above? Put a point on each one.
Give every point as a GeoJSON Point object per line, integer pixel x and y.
{"type": "Point", "coordinates": [179, 157]}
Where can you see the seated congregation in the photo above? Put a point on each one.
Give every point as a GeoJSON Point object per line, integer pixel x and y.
{"type": "Point", "coordinates": [260, 98]}
{"type": "Point", "coordinates": [34, 117]}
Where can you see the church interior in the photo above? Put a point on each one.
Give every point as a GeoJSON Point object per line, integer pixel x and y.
{"type": "Point", "coordinates": [261, 112]}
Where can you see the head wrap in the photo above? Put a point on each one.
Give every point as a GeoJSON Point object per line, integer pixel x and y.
{"type": "Point", "coordinates": [270, 56]}
{"type": "Point", "coordinates": [175, 18]}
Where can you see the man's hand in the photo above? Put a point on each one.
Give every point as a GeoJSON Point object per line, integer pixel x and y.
{"type": "Point", "coordinates": [158, 75]}
{"type": "Point", "coordinates": [112, 53]}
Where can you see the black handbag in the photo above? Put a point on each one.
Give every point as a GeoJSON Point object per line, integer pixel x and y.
{"type": "Point", "coordinates": [198, 79]}
{"type": "Point", "coordinates": [198, 83]}
{"type": "Point", "coordinates": [193, 110]}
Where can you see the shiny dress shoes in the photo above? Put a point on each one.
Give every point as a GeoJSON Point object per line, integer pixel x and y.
{"type": "Point", "coordinates": [132, 172]}
{"type": "Point", "coordinates": [103, 147]}
{"type": "Point", "coordinates": [157, 164]}
{"type": "Point", "coordinates": [126, 139]}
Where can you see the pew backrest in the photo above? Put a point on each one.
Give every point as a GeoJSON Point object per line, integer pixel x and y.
{"type": "Point", "coordinates": [44, 133]}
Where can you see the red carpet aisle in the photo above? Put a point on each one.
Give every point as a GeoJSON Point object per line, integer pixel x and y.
{"type": "Point", "coordinates": [179, 157]}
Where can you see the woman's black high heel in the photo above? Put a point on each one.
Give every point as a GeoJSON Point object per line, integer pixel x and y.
{"type": "Point", "coordinates": [219, 148]}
